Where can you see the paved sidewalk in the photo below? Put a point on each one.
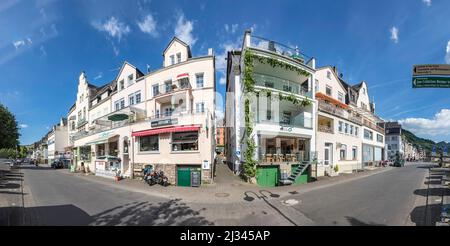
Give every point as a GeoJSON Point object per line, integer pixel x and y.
{"type": "Point", "coordinates": [231, 191]}
{"type": "Point", "coordinates": [11, 195]}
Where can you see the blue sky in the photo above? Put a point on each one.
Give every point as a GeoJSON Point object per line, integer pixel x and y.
{"type": "Point", "coordinates": [45, 44]}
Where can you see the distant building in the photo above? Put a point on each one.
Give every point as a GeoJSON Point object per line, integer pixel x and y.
{"type": "Point", "coordinates": [394, 140]}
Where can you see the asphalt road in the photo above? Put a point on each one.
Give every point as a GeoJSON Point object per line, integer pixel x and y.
{"type": "Point", "coordinates": [383, 199]}
{"type": "Point", "coordinates": [57, 198]}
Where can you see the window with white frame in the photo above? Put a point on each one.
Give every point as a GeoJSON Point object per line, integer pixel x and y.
{"type": "Point", "coordinates": [199, 79]}
{"type": "Point", "coordinates": [200, 107]}
{"type": "Point", "coordinates": [138, 97]}
{"type": "Point", "coordinates": [340, 96]}
{"type": "Point", "coordinates": [185, 141]}
{"type": "Point", "coordinates": [121, 85]}
{"type": "Point", "coordinates": [130, 79]}
{"type": "Point", "coordinates": [178, 57]}
{"type": "Point", "coordinates": [351, 129]}
{"type": "Point", "coordinates": [149, 143]}
{"type": "Point", "coordinates": [117, 105]}
{"type": "Point", "coordinates": [122, 103]}
{"type": "Point", "coordinates": [172, 59]}
{"type": "Point", "coordinates": [368, 134]}
{"type": "Point", "coordinates": [131, 99]}
{"type": "Point", "coordinates": [329, 90]}
{"type": "Point", "coordinates": [346, 128]}
{"type": "Point", "coordinates": [343, 152]}
{"type": "Point", "coordinates": [356, 130]}
{"type": "Point", "coordinates": [341, 126]}
{"type": "Point", "coordinates": [155, 90]}
{"type": "Point", "coordinates": [134, 98]}
{"type": "Point", "coordinates": [328, 74]}
{"type": "Point", "coordinates": [380, 138]}
{"type": "Point", "coordinates": [317, 85]}
{"type": "Point", "coordinates": [355, 153]}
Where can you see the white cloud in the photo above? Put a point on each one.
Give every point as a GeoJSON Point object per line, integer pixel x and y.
{"type": "Point", "coordinates": [438, 126]}
{"type": "Point", "coordinates": [231, 28]}
{"type": "Point", "coordinates": [184, 29]}
{"type": "Point", "coordinates": [148, 25]}
{"type": "Point", "coordinates": [113, 27]}
{"type": "Point", "coordinates": [23, 126]}
{"type": "Point", "coordinates": [99, 76]}
{"type": "Point", "coordinates": [394, 34]}
{"type": "Point", "coordinates": [427, 2]}
{"type": "Point", "coordinates": [18, 43]}
{"type": "Point", "coordinates": [447, 53]}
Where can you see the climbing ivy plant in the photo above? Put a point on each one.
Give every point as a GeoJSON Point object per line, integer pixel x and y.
{"type": "Point", "coordinates": [249, 88]}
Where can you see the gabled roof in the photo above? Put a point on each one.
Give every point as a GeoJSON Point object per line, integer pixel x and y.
{"type": "Point", "coordinates": [335, 75]}
{"type": "Point", "coordinates": [181, 42]}
{"type": "Point", "coordinates": [138, 72]}
{"type": "Point", "coordinates": [358, 86]}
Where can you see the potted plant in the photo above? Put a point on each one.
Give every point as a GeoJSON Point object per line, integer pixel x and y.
{"type": "Point", "coordinates": [336, 169]}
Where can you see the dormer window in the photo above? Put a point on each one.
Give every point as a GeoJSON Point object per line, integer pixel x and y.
{"type": "Point", "coordinates": [130, 79]}
{"type": "Point", "coordinates": [121, 85]}
{"type": "Point", "coordinates": [178, 57]}
{"type": "Point", "coordinates": [364, 91]}
{"type": "Point", "coordinates": [172, 59]}
{"type": "Point", "coordinates": [328, 74]}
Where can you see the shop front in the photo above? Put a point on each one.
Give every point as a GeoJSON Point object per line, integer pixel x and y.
{"type": "Point", "coordinates": [372, 155]}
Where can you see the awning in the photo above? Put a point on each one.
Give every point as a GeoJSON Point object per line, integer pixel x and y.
{"type": "Point", "coordinates": [166, 130]}
{"type": "Point", "coordinates": [183, 75]}
{"type": "Point", "coordinates": [331, 100]}
{"type": "Point", "coordinates": [101, 140]}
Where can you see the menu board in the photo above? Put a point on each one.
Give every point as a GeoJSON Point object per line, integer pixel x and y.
{"type": "Point", "coordinates": [195, 179]}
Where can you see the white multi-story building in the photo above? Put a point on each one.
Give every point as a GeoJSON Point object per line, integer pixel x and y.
{"type": "Point", "coordinates": [164, 119]}
{"type": "Point", "coordinates": [270, 91]}
{"type": "Point", "coordinates": [339, 127]}
{"type": "Point", "coordinates": [56, 141]}
{"type": "Point", "coordinates": [394, 140]}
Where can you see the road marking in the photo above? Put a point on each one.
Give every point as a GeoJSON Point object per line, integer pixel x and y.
{"type": "Point", "coordinates": [291, 202]}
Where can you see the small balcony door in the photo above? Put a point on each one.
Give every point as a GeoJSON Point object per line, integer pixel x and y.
{"type": "Point", "coordinates": [328, 154]}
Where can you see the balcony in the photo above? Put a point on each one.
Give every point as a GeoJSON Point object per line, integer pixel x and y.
{"type": "Point", "coordinates": [172, 87]}
{"type": "Point", "coordinates": [338, 111]}
{"type": "Point", "coordinates": [282, 85]}
{"type": "Point", "coordinates": [281, 50]}
{"type": "Point", "coordinates": [373, 126]}
{"type": "Point", "coordinates": [325, 124]}
{"type": "Point", "coordinates": [283, 120]}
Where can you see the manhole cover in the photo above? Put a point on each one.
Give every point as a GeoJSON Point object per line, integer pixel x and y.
{"type": "Point", "coordinates": [222, 194]}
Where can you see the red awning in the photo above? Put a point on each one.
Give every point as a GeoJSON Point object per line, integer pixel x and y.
{"type": "Point", "coordinates": [183, 75]}
{"type": "Point", "coordinates": [166, 130]}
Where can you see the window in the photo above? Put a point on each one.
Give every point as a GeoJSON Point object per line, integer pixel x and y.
{"type": "Point", "coordinates": [200, 107]}
{"type": "Point", "coordinates": [328, 74]}
{"type": "Point", "coordinates": [379, 138]}
{"type": "Point", "coordinates": [149, 143]}
{"type": "Point", "coordinates": [178, 57]}
{"type": "Point", "coordinates": [341, 97]}
{"type": "Point", "coordinates": [121, 85]}
{"type": "Point", "coordinates": [341, 126]}
{"type": "Point", "coordinates": [184, 83]}
{"type": "Point", "coordinates": [72, 126]}
{"type": "Point", "coordinates": [131, 99]}
{"type": "Point", "coordinates": [355, 153]}
{"type": "Point", "coordinates": [364, 91]}
{"type": "Point", "coordinates": [130, 79]}
{"type": "Point", "coordinates": [394, 146]}
{"type": "Point", "coordinates": [84, 113]}
{"type": "Point", "coordinates": [356, 130]}
{"type": "Point", "coordinates": [155, 90]}
{"type": "Point", "coordinates": [168, 86]}
{"type": "Point", "coordinates": [122, 103]}
{"type": "Point", "coordinates": [363, 105]}
{"type": "Point", "coordinates": [117, 105]}
{"type": "Point", "coordinates": [138, 97]}
{"type": "Point", "coordinates": [168, 112]}
{"type": "Point", "coordinates": [368, 134]}
{"type": "Point", "coordinates": [346, 128]}
{"type": "Point", "coordinates": [343, 152]}
{"type": "Point", "coordinates": [199, 78]}
{"type": "Point", "coordinates": [351, 129]}
{"type": "Point", "coordinates": [329, 91]}
{"type": "Point", "coordinates": [317, 85]}
{"type": "Point", "coordinates": [172, 59]}
{"type": "Point", "coordinates": [394, 138]}
{"type": "Point", "coordinates": [184, 141]}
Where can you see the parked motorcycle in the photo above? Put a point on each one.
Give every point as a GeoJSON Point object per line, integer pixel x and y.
{"type": "Point", "coordinates": [152, 178]}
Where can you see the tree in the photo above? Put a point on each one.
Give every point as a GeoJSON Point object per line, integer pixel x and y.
{"type": "Point", "coordinates": [9, 130]}
{"type": "Point", "coordinates": [23, 152]}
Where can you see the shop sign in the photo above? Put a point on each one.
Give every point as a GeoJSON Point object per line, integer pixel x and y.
{"type": "Point", "coordinates": [167, 122]}
{"type": "Point", "coordinates": [105, 134]}
{"type": "Point", "coordinates": [286, 128]}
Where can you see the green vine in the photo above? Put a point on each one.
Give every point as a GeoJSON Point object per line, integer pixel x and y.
{"type": "Point", "coordinates": [249, 88]}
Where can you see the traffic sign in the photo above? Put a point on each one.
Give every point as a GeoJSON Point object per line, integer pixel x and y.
{"type": "Point", "coordinates": [431, 76]}
{"type": "Point", "coordinates": [425, 70]}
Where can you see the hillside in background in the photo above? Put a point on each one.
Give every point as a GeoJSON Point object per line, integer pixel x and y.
{"type": "Point", "coordinates": [422, 142]}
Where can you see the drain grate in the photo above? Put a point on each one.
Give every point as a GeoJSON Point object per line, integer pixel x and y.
{"type": "Point", "coordinates": [222, 194]}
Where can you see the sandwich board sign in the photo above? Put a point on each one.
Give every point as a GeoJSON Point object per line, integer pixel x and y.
{"type": "Point", "coordinates": [431, 76]}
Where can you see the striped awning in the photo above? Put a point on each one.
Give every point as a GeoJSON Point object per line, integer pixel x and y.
{"type": "Point", "coordinates": [183, 75]}
{"type": "Point", "coordinates": [166, 130]}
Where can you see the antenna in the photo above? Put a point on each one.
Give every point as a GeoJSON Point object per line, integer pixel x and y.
{"type": "Point", "coordinates": [148, 68]}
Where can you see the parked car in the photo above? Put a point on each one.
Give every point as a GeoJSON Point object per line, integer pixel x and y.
{"type": "Point", "coordinates": [57, 164]}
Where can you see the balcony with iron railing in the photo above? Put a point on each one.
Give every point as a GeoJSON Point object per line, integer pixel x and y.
{"type": "Point", "coordinates": [169, 88]}
{"type": "Point", "coordinates": [373, 126]}
{"type": "Point", "coordinates": [81, 122]}
{"type": "Point", "coordinates": [276, 48]}
{"type": "Point", "coordinates": [282, 85]}
{"type": "Point", "coordinates": [338, 111]}
{"type": "Point", "coordinates": [325, 129]}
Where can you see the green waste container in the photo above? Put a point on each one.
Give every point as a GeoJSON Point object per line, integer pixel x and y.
{"type": "Point", "coordinates": [72, 168]}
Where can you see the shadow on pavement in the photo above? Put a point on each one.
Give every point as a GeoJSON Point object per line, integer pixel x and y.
{"type": "Point", "coordinates": [430, 192]}
{"type": "Point", "coordinates": [36, 168]}
{"type": "Point", "coordinates": [419, 218]}
{"type": "Point", "coordinates": [355, 222]}
{"type": "Point", "coordinates": [168, 213]}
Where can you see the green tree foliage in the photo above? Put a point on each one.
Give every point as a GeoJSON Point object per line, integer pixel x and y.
{"type": "Point", "coordinates": [8, 153]}
{"type": "Point", "coordinates": [9, 131]}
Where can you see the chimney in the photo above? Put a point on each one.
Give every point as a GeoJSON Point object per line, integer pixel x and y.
{"type": "Point", "coordinates": [210, 52]}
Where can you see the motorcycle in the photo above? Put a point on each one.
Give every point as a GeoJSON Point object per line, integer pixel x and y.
{"type": "Point", "coordinates": [152, 178]}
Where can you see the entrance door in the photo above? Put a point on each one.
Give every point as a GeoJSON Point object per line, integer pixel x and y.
{"type": "Point", "coordinates": [328, 154]}
{"type": "Point", "coordinates": [184, 176]}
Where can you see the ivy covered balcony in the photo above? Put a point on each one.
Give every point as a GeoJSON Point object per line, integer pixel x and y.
{"type": "Point", "coordinates": [282, 85]}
